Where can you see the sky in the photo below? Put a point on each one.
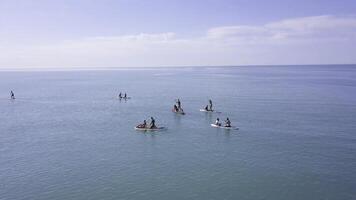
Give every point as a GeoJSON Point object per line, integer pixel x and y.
{"type": "Point", "coordinates": [150, 33]}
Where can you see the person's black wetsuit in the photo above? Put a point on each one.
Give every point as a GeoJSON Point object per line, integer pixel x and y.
{"type": "Point", "coordinates": [210, 104]}
{"type": "Point", "coordinates": [227, 122]}
{"type": "Point", "coordinates": [179, 105]}
{"type": "Point", "coordinates": [12, 95]}
{"type": "Point", "coordinates": [206, 108]}
{"type": "Point", "coordinates": [153, 121]}
{"type": "Point", "coordinates": [175, 108]}
{"type": "Point", "coordinates": [217, 122]}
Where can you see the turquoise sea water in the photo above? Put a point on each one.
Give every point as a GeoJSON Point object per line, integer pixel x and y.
{"type": "Point", "coordinates": [67, 137]}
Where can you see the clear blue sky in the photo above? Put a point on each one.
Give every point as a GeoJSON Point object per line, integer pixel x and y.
{"type": "Point", "coordinates": [30, 25]}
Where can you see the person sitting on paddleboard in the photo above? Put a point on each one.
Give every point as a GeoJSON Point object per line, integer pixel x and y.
{"type": "Point", "coordinates": [206, 108]}
{"type": "Point", "coordinates": [217, 122]}
{"type": "Point", "coordinates": [175, 108]}
{"type": "Point", "coordinates": [210, 105]}
{"type": "Point", "coordinates": [153, 125]}
{"type": "Point", "coordinates": [125, 96]}
{"type": "Point", "coordinates": [143, 125]}
{"type": "Point", "coordinates": [120, 95]}
{"type": "Point", "coordinates": [12, 95]}
{"type": "Point", "coordinates": [227, 122]}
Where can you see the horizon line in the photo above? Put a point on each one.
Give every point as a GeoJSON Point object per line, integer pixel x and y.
{"type": "Point", "coordinates": [24, 69]}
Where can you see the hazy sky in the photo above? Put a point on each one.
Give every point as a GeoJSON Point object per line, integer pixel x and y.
{"type": "Point", "coordinates": [125, 33]}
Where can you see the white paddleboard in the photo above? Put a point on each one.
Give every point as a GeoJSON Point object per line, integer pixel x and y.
{"type": "Point", "coordinates": [223, 127]}
{"type": "Point", "coordinates": [203, 110]}
{"type": "Point", "coordinates": [209, 111]}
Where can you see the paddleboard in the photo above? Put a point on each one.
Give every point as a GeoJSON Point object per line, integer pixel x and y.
{"type": "Point", "coordinates": [150, 129]}
{"type": "Point", "coordinates": [179, 112]}
{"type": "Point", "coordinates": [209, 111]}
{"type": "Point", "coordinates": [223, 127]}
{"type": "Point", "coordinates": [124, 98]}
{"type": "Point", "coordinates": [203, 110]}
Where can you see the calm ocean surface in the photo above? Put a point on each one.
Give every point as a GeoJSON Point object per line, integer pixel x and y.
{"type": "Point", "coordinates": [67, 137]}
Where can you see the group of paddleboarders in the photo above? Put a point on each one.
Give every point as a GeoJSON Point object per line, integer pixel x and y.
{"type": "Point", "coordinates": [227, 122]}
{"type": "Point", "coordinates": [208, 108]}
{"type": "Point", "coordinates": [121, 96]}
{"type": "Point", "coordinates": [144, 125]}
{"type": "Point", "coordinates": [176, 108]}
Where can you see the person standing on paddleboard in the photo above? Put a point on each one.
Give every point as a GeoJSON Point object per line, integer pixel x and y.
{"type": "Point", "coordinates": [179, 104]}
{"type": "Point", "coordinates": [210, 105]}
{"type": "Point", "coordinates": [153, 123]}
{"type": "Point", "coordinates": [12, 95]}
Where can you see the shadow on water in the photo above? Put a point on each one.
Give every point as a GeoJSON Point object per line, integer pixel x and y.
{"type": "Point", "coordinates": [208, 116]}
{"type": "Point", "coordinates": [150, 134]}
{"type": "Point", "coordinates": [177, 119]}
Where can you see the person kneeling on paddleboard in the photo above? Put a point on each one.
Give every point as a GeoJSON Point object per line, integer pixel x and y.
{"type": "Point", "coordinates": [179, 104]}
{"type": "Point", "coordinates": [152, 124]}
{"type": "Point", "coordinates": [217, 122]}
{"type": "Point", "coordinates": [227, 122]}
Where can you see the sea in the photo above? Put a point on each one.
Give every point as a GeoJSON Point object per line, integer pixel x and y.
{"type": "Point", "coordinates": [68, 136]}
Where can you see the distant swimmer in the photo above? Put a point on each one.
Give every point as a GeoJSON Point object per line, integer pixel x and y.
{"type": "Point", "coordinates": [210, 105]}
{"type": "Point", "coordinates": [217, 122]}
{"type": "Point", "coordinates": [12, 95]}
{"type": "Point", "coordinates": [153, 123]}
{"type": "Point", "coordinates": [227, 122]}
